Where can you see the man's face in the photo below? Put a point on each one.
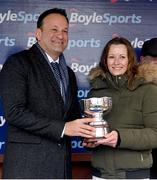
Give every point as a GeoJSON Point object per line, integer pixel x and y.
{"type": "Point", "coordinates": [149, 59]}
{"type": "Point", "coordinates": [53, 35]}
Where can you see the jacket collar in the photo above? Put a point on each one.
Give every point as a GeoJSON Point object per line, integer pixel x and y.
{"type": "Point", "coordinates": [147, 73]}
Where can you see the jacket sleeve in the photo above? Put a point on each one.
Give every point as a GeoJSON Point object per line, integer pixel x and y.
{"type": "Point", "coordinates": [143, 138]}
{"type": "Point", "coordinates": [13, 89]}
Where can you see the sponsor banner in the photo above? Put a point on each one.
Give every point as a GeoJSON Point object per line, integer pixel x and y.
{"type": "Point", "coordinates": [3, 128]}
{"type": "Point", "coordinates": [76, 145]}
{"type": "Point", "coordinates": [92, 24]}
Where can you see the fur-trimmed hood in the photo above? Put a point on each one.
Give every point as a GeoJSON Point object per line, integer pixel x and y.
{"type": "Point", "coordinates": [146, 73]}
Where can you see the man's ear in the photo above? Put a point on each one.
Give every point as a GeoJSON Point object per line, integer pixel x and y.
{"type": "Point", "coordinates": [38, 34]}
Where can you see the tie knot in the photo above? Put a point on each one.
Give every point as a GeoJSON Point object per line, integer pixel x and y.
{"type": "Point", "coordinates": [55, 66]}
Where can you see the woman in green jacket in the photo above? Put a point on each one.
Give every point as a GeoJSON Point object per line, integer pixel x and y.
{"type": "Point", "coordinates": [125, 152]}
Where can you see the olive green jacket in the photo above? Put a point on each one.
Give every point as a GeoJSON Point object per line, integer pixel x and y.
{"type": "Point", "coordinates": [133, 115]}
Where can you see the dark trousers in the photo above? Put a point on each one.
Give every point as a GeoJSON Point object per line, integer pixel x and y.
{"type": "Point", "coordinates": [139, 174]}
{"type": "Point", "coordinates": [153, 169]}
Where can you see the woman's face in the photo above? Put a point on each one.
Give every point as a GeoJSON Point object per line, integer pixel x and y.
{"type": "Point", "coordinates": [117, 60]}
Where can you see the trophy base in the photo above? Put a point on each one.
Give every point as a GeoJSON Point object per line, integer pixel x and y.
{"type": "Point", "coordinates": [101, 132]}
{"type": "Point", "coordinates": [101, 128]}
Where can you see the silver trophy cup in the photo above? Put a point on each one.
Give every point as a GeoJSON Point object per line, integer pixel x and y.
{"type": "Point", "coordinates": [97, 107]}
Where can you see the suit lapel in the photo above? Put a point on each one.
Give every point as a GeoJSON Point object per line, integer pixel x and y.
{"type": "Point", "coordinates": [47, 72]}
{"type": "Point", "coordinates": [71, 94]}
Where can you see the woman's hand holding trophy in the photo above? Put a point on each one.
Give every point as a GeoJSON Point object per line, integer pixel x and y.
{"type": "Point", "coordinates": [96, 108]}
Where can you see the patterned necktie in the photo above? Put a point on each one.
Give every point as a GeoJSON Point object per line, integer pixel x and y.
{"type": "Point", "coordinates": [59, 79]}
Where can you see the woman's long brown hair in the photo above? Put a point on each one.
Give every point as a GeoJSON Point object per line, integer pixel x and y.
{"type": "Point", "coordinates": [132, 64]}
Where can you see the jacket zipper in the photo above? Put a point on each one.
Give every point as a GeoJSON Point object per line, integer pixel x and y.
{"type": "Point", "coordinates": [142, 158]}
{"type": "Point", "coordinates": [117, 79]}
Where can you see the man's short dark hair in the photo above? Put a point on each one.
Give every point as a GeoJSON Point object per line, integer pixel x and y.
{"type": "Point", "coordinates": [149, 48]}
{"type": "Point", "coordinates": [51, 11]}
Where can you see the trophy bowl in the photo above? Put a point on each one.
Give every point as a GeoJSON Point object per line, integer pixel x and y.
{"type": "Point", "coordinates": [97, 107]}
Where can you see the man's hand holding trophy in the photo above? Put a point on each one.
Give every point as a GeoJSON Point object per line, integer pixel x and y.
{"type": "Point", "coordinates": [97, 107]}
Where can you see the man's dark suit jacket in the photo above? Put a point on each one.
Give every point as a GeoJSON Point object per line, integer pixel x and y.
{"type": "Point", "coordinates": [34, 110]}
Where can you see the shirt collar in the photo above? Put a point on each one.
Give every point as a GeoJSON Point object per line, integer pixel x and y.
{"type": "Point", "coordinates": [52, 60]}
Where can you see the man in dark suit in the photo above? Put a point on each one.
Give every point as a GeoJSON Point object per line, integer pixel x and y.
{"type": "Point", "coordinates": [149, 54]}
{"type": "Point", "coordinates": [40, 105]}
